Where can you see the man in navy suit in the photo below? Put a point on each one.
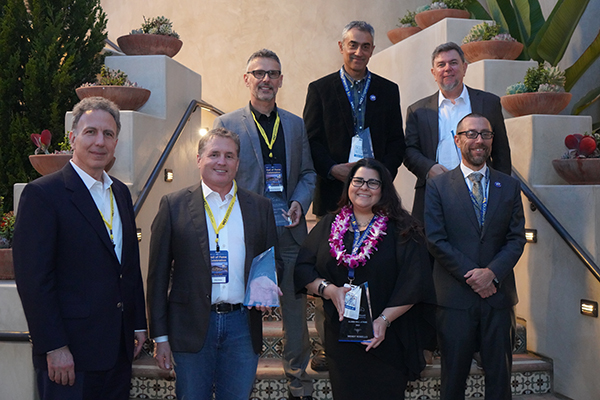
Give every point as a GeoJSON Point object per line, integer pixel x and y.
{"type": "Point", "coordinates": [431, 123]}
{"type": "Point", "coordinates": [77, 267]}
{"type": "Point", "coordinates": [275, 162]}
{"type": "Point", "coordinates": [475, 230]}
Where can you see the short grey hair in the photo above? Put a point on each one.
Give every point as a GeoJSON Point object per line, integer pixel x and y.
{"type": "Point", "coordinates": [218, 132]}
{"type": "Point", "coordinates": [264, 53]}
{"type": "Point", "coordinates": [442, 48]}
{"type": "Point", "coordinates": [92, 104]}
{"type": "Point", "coordinates": [361, 26]}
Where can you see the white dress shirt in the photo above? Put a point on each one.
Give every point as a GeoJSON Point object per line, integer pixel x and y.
{"type": "Point", "coordinates": [101, 194]}
{"type": "Point", "coordinates": [449, 115]}
{"type": "Point", "coordinates": [231, 239]}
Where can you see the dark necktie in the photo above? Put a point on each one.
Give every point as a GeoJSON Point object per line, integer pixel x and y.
{"type": "Point", "coordinates": [477, 191]}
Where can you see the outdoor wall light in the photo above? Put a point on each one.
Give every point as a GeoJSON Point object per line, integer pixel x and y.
{"type": "Point", "coordinates": [203, 131]}
{"type": "Point", "coordinates": [589, 308]}
{"type": "Point", "coordinates": [531, 235]}
{"type": "Point", "coordinates": [139, 234]}
{"type": "Point", "coordinates": [168, 175]}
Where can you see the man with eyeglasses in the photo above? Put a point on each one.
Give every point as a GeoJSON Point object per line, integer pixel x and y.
{"type": "Point", "coordinates": [275, 162]}
{"type": "Point", "coordinates": [475, 230]}
{"type": "Point", "coordinates": [431, 123]}
{"type": "Point", "coordinates": [350, 114]}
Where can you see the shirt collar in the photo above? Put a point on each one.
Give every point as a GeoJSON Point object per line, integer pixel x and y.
{"type": "Point", "coordinates": [258, 114]}
{"type": "Point", "coordinates": [88, 181]}
{"type": "Point", "coordinates": [464, 95]}
{"type": "Point", "coordinates": [352, 80]}
{"type": "Point", "coordinates": [466, 171]}
{"type": "Point", "coordinates": [209, 192]}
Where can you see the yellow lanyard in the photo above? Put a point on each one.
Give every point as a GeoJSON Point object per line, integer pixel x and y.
{"type": "Point", "coordinates": [264, 134]}
{"type": "Point", "coordinates": [225, 218]}
{"type": "Point", "coordinates": [109, 225]}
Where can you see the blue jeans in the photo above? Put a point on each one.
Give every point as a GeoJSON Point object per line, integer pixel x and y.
{"type": "Point", "coordinates": [226, 363]}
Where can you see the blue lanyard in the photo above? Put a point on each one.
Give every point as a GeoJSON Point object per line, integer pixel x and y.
{"type": "Point", "coordinates": [358, 239]}
{"type": "Point", "coordinates": [484, 189]}
{"type": "Point", "coordinates": [362, 97]}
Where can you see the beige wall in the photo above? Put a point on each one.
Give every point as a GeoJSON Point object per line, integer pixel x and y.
{"type": "Point", "coordinates": [219, 36]}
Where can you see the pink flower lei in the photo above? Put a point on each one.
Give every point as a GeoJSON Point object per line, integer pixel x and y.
{"type": "Point", "coordinates": [340, 226]}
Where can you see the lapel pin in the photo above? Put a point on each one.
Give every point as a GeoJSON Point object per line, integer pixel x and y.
{"type": "Point", "coordinates": [498, 184]}
{"type": "Point", "coordinates": [372, 97]}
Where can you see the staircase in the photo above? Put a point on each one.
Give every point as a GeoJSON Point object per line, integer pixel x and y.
{"type": "Point", "coordinates": [531, 374]}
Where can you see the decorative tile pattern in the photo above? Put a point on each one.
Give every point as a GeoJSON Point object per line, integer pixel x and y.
{"type": "Point", "coordinates": [272, 347]}
{"type": "Point", "coordinates": [148, 388]}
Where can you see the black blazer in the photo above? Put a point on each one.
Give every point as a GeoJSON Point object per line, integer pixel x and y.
{"type": "Point", "coordinates": [73, 289]}
{"type": "Point", "coordinates": [330, 127]}
{"type": "Point", "coordinates": [422, 138]}
{"type": "Point", "coordinates": [460, 245]}
{"type": "Point", "coordinates": [179, 305]}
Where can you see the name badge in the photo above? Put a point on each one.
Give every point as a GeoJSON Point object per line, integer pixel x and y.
{"type": "Point", "coordinates": [352, 302]}
{"type": "Point", "coordinates": [356, 149]}
{"type": "Point", "coordinates": [219, 263]}
{"type": "Point", "coordinates": [274, 178]}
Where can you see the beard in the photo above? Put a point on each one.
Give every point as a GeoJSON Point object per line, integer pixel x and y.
{"type": "Point", "coordinates": [265, 96]}
{"type": "Point", "coordinates": [450, 86]}
{"type": "Point", "coordinates": [477, 160]}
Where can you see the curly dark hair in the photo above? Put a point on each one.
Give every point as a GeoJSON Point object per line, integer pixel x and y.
{"type": "Point", "coordinates": [389, 204]}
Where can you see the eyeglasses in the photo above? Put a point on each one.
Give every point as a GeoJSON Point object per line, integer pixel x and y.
{"type": "Point", "coordinates": [472, 134]}
{"type": "Point", "coordinates": [372, 184]}
{"type": "Point", "coordinates": [260, 74]}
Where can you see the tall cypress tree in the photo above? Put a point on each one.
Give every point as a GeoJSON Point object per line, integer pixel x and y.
{"type": "Point", "coordinates": [49, 48]}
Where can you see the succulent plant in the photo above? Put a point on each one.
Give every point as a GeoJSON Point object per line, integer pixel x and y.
{"type": "Point", "coordinates": [482, 31]}
{"type": "Point", "coordinates": [516, 88]}
{"type": "Point", "coordinates": [156, 26]}
{"type": "Point", "coordinates": [582, 146]}
{"type": "Point", "coordinates": [420, 9]}
{"type": "Point", "coordinates": [408, 20]}
{"type": "Point", "coordinates": [550, 88]}
{"type": "Point", "coordinates": [555, 76]}
{"type": "Point", "coordinates": [111, 77]}
{"type": "Point", "coordinates": [438, 5]}
{"type": "Point", "coordinates": [504, 36]}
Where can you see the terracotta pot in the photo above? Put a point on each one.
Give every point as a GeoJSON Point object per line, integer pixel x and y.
{"type": "Point", "coordinates": [147, 44]}
{"type": "Point", "coordinates": [48, 163]}
{"type": "Point", "coordinates": [7, 270]}
{"type": "Point", "coordinates": [578, 171]}
{"type": "Point", "coordinates": [430, 17]}
{"type": "Point", "coordinates": [125, 97]}
{"type": "Point", "coordinates": [535, 103]}
{"type": "Point", "coordinates": [492, 50]}
{"type": "Point", "coordinates": [399, 34]}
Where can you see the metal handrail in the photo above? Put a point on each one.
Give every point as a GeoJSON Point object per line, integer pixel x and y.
{"type": "Point", "coordinates": [194, 104]}
{"type": "Point", "coordinates": [12, 336]}
{"type": "Point", "coordinates": [562, 232]}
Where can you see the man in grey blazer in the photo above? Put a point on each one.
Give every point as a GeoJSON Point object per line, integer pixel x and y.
{"type": "Point", "coordinates": [204, 239]}
{"type": "Point", "coordinates": [475, 230]}
{"type": "Point", "coordinates": [431, 123]}
{"type": "Point", "coordinates": [275, 162]}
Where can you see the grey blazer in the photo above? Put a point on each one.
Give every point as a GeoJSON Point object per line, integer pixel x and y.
{"type": "Point", "coordinates": [460, 245]}
{"type": "Point", "coordinates": [179, 305]}
{"type": "Point", "coordinates": [301, 176]}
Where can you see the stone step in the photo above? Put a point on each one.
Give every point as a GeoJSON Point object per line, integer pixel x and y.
{"type": "Point", "coordinates": [531, 375]}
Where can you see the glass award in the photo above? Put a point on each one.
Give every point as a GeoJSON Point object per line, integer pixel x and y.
{"type": "Point", "coordinates": [361, 328]}
{"type": "Point", "coordinates": [261, 289]}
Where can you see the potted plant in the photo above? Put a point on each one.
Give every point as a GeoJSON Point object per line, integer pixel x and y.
{"type": "Point", "coordinates": [485, 41]}
{"type": "Point", "coordinates": [7, 227]}
{"type": "Point", "coordinates": [429, 14]}
{"type": "Point", "coordinates": [543, 92]}
{"type": "Point", "coordinates": [580, 165]}
{"type": "Point", "coordinates": [155, 37]}
{"type": "Point", "coordinates": [116, 87]}
{"type": "Point", "coordinates": [407, 26]}
{"type": "Point", "coordinates": [42, 160]}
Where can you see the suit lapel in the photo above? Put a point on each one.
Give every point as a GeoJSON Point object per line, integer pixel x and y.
{"type": "Point", "coordinates": [289, 146]}
{"type": "Point", "coordinates": [461, 192]}
{"type": "Point", "coordinates": [126, 227]}
{"type": "Point", "coordinates": [248, 220]}
{"type": "Point", "coordinates": [344, 104]}
{"type": "Point", "coordinates": [494, 195]}
{"type": "Point", "coordinates": [433, 121]}
{"type": "Point", "coordinates": [476, 102]}
{"type": "Point", "coordinates": [195, 201]}
{"type": "Point", "coordinates": [83, 201]}
{"type": "Point", "coordinates": [254, 137]}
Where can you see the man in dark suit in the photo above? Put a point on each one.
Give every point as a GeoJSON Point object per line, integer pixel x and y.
{"type": "Point", "coordinates": [346, 105]}
{"type": "Point", "coordinates": [277, 164]}
{"type": "Point", "coordinates": [204, 239]}
{"type": "Point", "coordinates": [475, 230]}
{"type": "Point", "coordinates": [77, 267]}
{"type": "Point", "coordinates": [350, 114]}
{"type": "Point", "coordinates": [431, 123]}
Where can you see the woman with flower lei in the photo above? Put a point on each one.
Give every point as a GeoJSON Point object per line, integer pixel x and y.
{"type": "Point", "coordinates": [370, 239]}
